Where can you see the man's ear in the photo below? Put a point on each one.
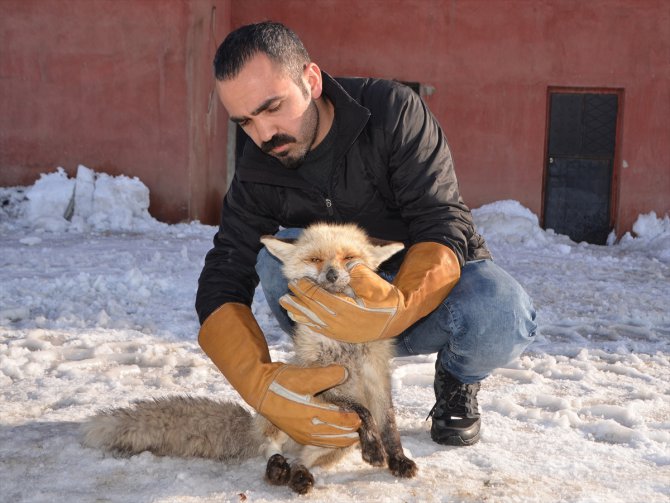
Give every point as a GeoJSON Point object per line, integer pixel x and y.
{"type": "Point", "coordinates": [314, 79]}
{"type": "Point", "coordinates": [282, 248]}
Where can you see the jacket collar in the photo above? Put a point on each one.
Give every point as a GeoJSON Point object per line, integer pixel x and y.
{"type": "Point", "coordinates": [257, 166]}
{"type": "Point", "coordinates": [351, 116]}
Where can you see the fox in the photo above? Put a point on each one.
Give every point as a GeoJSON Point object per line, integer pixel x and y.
{"type": "Point", "coordinates": [187, 426]}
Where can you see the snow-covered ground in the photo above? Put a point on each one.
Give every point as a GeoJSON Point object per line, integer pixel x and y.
{"type": "Point", "coordinates": [97, 311]}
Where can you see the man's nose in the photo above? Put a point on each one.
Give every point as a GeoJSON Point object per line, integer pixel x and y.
{"type": "Point", "coordinates": [265, 130]}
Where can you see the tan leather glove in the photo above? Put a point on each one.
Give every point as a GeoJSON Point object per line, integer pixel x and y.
{"type": "Point", "coordinates": [283, 393]}
{"type": "Point", "coordinates": [427, 275]}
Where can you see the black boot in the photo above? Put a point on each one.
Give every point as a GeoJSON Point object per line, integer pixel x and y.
{"type": "Point", "coordinates": [455, 413]}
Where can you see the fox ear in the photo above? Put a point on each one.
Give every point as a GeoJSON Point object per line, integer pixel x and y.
{"type": "Point", "coordinates": [384, 250]}
{"type": "Point", "coordinates": [282, 248]}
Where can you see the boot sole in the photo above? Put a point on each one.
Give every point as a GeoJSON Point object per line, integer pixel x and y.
{"type": "Point", "coordinates": [455, 439]}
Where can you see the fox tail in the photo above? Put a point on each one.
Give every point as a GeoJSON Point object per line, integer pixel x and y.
{"type": "Point", "coordinates": [180, 426]}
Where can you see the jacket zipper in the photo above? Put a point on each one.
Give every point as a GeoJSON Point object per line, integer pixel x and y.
{"type": "Point", "coordinates": [327, 199]}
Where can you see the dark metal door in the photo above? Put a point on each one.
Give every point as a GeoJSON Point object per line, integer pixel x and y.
{"type": "Point", "coordinates": [580, 159]}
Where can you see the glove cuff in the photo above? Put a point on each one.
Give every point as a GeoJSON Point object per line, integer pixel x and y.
{"type": "Point", "coordinates": [428, 273]}
{"type": "Point", "coordinates": [232, 339]}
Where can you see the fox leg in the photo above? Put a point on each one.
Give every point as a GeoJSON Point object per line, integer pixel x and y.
{"type": "Point", "coordinates": [399, 464]}
{"type": "Point", "coordinates": [372, 448]}
{"type": "Point", "coordinates": [301, 480]}
{"type": "Point", "coordinates": [277, 471]}
{"type": "Point", "coordinates": [280, 472]}
{"type": "Point", "coordinates": [296, 474]}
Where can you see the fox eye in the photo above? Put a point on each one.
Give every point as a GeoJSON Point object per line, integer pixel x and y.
{"type": "Point", "coordinates": [350, 257]}
{"type": "Point", "coordinates": [315, 260]}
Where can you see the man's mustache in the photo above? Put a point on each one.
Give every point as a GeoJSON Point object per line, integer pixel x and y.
{"type": "Point", "coordinates": [276, 141]}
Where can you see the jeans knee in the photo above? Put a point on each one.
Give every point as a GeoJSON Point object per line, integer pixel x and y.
{"type": "Point", "coordinates": [508, 324]}
{"type": "Point", "coordinates": [495, 323]}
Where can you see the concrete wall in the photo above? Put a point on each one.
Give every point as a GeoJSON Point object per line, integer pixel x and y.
{"type": "Point", "coordinates": [124, 86]}
{"type": "Point", "coordinates": [121, 87]}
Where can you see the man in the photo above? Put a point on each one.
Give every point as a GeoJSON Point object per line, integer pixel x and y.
{"type": "Point", "coordinates": [365, 151]}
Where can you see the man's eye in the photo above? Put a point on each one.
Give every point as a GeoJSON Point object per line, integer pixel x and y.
{"type": "Point", "coordinates": [274, 108]}
{"type": "Point", "coordinates": [243, 123]}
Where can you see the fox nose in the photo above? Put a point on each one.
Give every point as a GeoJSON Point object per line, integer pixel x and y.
{"type": "Point", "coordinates": [331, 275]}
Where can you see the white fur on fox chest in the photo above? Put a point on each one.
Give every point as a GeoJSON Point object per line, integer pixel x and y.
{"type": "Point", "coordinates": [366, 363]}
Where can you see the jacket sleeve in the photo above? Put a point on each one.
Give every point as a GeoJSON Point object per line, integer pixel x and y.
{"type": "Point", "coordinates": [229, 273]}
{"type": "Point", "coordinates": [422, 176]}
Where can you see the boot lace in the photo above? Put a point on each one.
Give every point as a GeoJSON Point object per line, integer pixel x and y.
{"type": "Point", "coordinates": [456, 400]}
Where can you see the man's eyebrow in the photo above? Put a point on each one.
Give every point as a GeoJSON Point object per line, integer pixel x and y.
{"type": "Point", "coordinates": [263, 106]}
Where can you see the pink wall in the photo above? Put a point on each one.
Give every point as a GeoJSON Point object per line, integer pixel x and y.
{"type": "Point", "coordinates": [125, 87]}
{"type": "Point", "coordinates": [121, 87]}
{"type": "Point", "coordinates": [491, 62]}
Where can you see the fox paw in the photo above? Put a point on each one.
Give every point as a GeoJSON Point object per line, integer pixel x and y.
{"type": "Point", "coordinates": [403, 467]}
{"type": "Point", "coordinates": [374, 454]}
{"type": "Point", "coordinates": [301, 480]}
{"type": "Point", "coordinates": [278, 471]}
{"type": "Point", "coordinates": [372, 449]}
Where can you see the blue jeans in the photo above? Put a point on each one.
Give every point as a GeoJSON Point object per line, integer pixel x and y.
{"type": "Point", "coordinates": [484, 323]}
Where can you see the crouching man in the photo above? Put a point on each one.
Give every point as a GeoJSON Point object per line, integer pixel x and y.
{"type": "Point", "coordinates": [365, 151]}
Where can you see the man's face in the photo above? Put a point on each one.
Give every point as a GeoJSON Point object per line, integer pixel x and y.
{"type": "Point", "coordinates": [279, 115]}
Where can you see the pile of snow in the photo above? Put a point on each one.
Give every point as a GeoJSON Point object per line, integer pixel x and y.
{"type": "Point", "coordinates": [513, 224]}
{"type": "Point", "coordinates": [98, 322]}
{"type": "Point", "coordinates": [89, 202]}
{"type": "Point", "coordinates": [652, 235]}
{"type": "Point", "coordinates": [508, 223]}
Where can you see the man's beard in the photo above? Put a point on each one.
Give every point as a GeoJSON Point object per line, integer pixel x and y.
{"type": "Point", "coordinates": [308, 130]}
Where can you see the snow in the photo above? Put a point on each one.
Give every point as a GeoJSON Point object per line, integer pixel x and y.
{"type": "Point", "coordinates": [96, 310]}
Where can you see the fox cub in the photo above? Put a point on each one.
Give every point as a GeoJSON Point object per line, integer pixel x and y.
{"type": "Point", "coordinates": [199, 427]}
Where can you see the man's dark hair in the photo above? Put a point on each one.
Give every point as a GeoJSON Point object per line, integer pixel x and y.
{"type": "Point", "coordinates": [275, 40]}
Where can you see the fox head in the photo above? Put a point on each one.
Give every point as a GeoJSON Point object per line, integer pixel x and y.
{"type": "Point", "coordinates": [323, 251]}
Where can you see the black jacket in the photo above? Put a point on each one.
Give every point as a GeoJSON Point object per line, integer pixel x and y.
{"type": "Point", "coordinates": [392, 174]}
